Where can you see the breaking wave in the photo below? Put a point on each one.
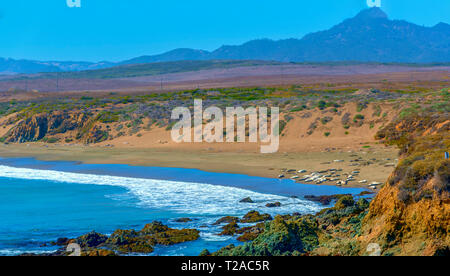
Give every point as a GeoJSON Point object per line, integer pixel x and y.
{"type": "Point", "coordinates": [175, 196]}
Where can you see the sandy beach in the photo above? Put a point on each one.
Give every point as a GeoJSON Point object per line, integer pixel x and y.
{"type": "Point", "coordinates": [248, 163]}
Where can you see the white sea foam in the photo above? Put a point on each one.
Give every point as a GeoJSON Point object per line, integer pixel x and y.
{"type": "Point", "coordinates": [15, 252]}
{"type": "Point", "coordinates": [209, 236]}
{"type": "Point", "coordinates": [183, 197]}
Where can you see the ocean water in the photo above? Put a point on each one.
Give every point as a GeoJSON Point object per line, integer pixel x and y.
{"type": "Point", "coordinates": [42, 201]}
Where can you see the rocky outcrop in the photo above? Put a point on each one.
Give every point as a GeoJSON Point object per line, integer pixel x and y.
{"type": "Point", "coordinates": [29, 130]}
{"type": "Point", "coordinates": [230, 229]}
{"type": "Point", "coordinates": [411, 214]}
{"type": "Point", "coordinates": [131, 241]}
{"type": "Point", "coordinates": [303, 235]}
{"type": "Point", "coordinates": [250, 233]}
{"type": "Point", "coordinates": [92, 239]}
{"type": "Point", "coordinates": [128, 241]}
{"type": "Point", "coordinates": [38, 126]}
{"type": "Point", "coordinates": [280, 237]}
{"type": "Point", "coordinates": [96, 135]}
{"type": "Point", "coordinates": [255, 216]}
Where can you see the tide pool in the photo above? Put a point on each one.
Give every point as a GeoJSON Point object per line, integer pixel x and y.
{"type": "Point", "coordinates": [42, 201]}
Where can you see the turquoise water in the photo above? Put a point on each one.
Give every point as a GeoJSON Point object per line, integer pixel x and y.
{"type": "Point", "coordinates": [42, 201]}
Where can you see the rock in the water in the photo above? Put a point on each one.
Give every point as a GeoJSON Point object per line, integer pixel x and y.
{"type": "Point", "coordinates": [92, 239]}
{"type": "Point", "coordinates": [324, 200]}
{"type": "Point", "coordinates": [247, 200]}
{"type": "Point", "coordinates": [131, 241]}
{"type": "Point", "coordinates": [273, 205]}
{"type": "Point", "coordinates": [183, 220]}
{"type": "Point", "coordinates": [229, 229]}
{"type": "Point", "coordinates": [154, 228]}
{"type": "Point", "coordinates": [61, 242]}
{"type": "Point", "coordinates": [227, 219]}
{"type": "Point", "coordinates": [255, 216]}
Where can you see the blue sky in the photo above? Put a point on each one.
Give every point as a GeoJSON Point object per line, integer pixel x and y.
{"type": "Point", "coordinates": [120, 29]}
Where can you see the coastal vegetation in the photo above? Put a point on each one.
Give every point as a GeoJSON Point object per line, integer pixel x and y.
{"type": "Point", "coordinates": [408, 216]}
{"type": "Point", "coordinates": [89, 119]}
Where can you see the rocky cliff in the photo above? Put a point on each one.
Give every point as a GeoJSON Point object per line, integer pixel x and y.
{"type": "Point", "coordinates": [52, 126]}
{"type": "Point", "coordinates": [411, 214]}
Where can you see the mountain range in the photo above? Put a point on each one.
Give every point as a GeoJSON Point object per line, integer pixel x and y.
{"type": "Point", "coordinates": [370, 36]}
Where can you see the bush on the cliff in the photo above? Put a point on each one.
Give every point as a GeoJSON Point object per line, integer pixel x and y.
{"type": "Point", "coordinates": [345, 201]}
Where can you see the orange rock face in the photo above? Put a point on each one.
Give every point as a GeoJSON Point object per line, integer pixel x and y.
{"type": "Point", "coordinates": [411, 214]}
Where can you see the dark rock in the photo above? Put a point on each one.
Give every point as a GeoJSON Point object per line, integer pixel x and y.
{"type": "Point", "coordinates": [247, 200]}
{"type": "Point", "coordinates": [227, 219]}
{"type": "Point", "coordinates": [324, 200]}
{"type": "Point", "coordinates": [273, 205]}
{"type": "Point", "coordinates": [183, 220]}
{"type": "Point", "coordinates": [61, 242]}
{"type": "Point", "coordinates": [92, 239]}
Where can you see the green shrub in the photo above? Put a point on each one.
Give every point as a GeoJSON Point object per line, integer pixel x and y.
{"type": "Point", "coordinates": [358, 117]}
{"type": "Point", "coordinates": [326, 120]}
{"type": "Point", "coordinates": [344, 202]}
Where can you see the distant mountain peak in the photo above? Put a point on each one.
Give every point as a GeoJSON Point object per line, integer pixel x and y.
{"type": "Point", "coordinates": [370, 36]}
{"type": "Point", "coordinates": [372, 13]}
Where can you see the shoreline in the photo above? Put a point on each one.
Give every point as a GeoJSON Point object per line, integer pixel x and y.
{"type": "Point", "coordinates": [105, 190]}
{"type": "Point", "coordinates": [232, 187]}
{"type": "Point", "coordinates": [244, 163]}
